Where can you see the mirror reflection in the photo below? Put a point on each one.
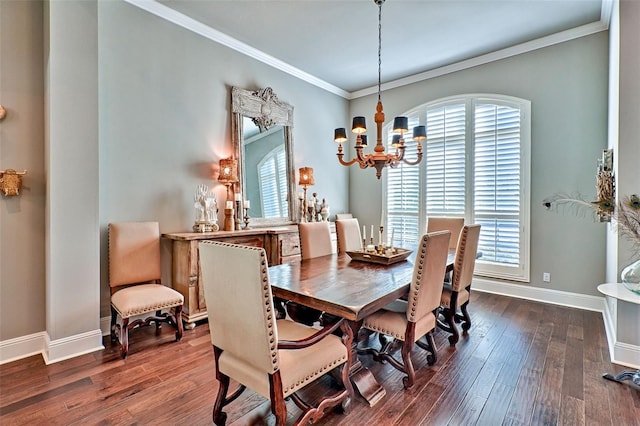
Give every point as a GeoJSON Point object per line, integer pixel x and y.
{"type": "Point", "coordinates": [262, 136]}
{"type": "Point", "coordinates": [265, 170]}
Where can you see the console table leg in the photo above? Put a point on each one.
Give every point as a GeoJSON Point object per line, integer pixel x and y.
{"type": "Point", "coordinates": [634, 376]}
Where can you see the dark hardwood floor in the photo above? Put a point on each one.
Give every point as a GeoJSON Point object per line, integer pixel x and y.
{"type": "Point", "coordinates": [523, 363]}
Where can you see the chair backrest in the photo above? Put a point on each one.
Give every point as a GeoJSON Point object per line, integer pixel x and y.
{"type": "Point", "coordinates": [348, 233]}
{"type": "Point", "coordinates": [465, 257]}
{"type": "Point", "coordinates": [315, 239]}
{"type": "Point", "coordinates": [452, 224]}
{"type": "Point", "coordinates": [239, 302]}
{"type": "Point", "coordinates": [342, 216]}
{"type": "Point", "coordinates": [428, 275]}
{"type": "Point", "coordinates": [134, 253]}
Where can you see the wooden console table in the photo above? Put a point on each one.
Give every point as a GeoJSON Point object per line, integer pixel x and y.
{"type": "Point", "coordinates": [618, 291]}
{"type": "Point", "coordinates": [281, 244]}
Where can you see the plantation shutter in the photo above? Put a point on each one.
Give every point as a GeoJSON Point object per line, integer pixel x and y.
{"type": "Point", "coordinates": [273, 184]}
{"type": "Point", "coordinates": [497, 182]}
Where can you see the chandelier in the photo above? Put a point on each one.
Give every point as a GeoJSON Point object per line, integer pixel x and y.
{"type": "Point", "coordinates": [379, 159]}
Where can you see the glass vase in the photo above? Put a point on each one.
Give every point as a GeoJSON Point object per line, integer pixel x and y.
{"type": "Point", "coordinates": [630, 277]}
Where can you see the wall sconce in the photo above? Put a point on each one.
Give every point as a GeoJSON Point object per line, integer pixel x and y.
{"type": "Point", "coordinates": [228, 174]}
{"type": "Point", "coordinates": [11, 182]}
{"type": "Point", "coordinates": [306, 180]}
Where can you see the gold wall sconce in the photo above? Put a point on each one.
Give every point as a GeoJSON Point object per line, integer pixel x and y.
{"type": "Point", "coordinates": [11, 182]}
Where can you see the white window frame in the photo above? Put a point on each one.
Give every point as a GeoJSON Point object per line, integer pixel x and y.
{"type": "Point", "coordinates": [520, 272]}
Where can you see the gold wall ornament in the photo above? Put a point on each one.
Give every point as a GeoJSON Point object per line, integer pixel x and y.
{"type": "Point", "coordinates": [11, 182]}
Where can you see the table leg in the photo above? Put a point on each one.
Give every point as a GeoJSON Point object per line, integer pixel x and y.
{"type": "Point", "coordinates": [634, 376]}
{"type": "Point", "coordinates": [362, 379]}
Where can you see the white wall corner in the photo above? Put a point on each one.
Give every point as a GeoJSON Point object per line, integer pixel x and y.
{"type": "Point", "coordinates": [619, 352]}
{"type": "Point", "coordinates": [72, 346]}
{"type": "Point", "coordinates": [22, 347]}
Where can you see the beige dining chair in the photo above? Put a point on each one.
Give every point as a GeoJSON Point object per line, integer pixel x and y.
{"type": "Point", "coordinates": [455, 295]}
{"type": "Point", "coordinates": [134, 279]}
{"type": "Point", "coordinates": [407, 321]}
{"type": "Point", "coordinates": [275, 358]}
{"type": "Point", "coordinates": [315, 239]}
{"type": "Point", "coordinates": [451, 224]}
{"type": "Point", "coordinates": [348, 233]}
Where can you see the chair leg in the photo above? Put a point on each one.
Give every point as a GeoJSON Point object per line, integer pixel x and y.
{"type": "Point", "coordinates": [430, 346]}
{"type": "Point", "coordinates": [179, 325]}
{"type": "Point", "coordinates": [158, 323]}
{"type": "Point", "coordinates": [466, 325]}
{"type": "Point", "coordinates": [408, 380]}
{"type": "Point", "coordinates": [219, 416]}
{"type": "Point", "coordinates": [114, 317]}
{"type": "Point", "coordinates": [450, 325]}
{"type": "Point", "coordinates": [278, 406]}
{"type": "Point", "coordinates": [124, 335]}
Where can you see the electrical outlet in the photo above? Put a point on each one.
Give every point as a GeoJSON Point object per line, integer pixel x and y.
{"type": "Point", "coordinates": [546, 277]}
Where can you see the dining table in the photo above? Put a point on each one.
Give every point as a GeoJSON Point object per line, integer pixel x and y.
{"type": "Point", "coordinates": [347, 288]}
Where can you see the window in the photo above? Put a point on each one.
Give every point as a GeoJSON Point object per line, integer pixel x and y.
{"type": "Point", "coordinates": [475, 166]}
{"type": "Point", "coordinates": [272, 171]}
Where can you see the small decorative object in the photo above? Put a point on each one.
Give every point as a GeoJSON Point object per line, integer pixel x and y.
{"type": "Point", "coordinates": [229, 221]}
{"type": "Point", "coordinates": [630, 277]}
{"type": "Point", "coordinates": [11, 182]}
{"type": "Point", "coordinates": [246, 206]}
{"type": "Point", "coordinates": [3, 113]}
{"type": "Point", "coordinates": [206, 208]}
{"type": "Point", "coordinates": [324, 210]}
{"type": "Point", "coordinates": [399, 255]}
{"type": "Point", "coordinates": [238, 216]}
{"type": "Point", "coordinates": [306, 180]}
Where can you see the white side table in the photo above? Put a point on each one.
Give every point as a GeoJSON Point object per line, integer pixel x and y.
{"type": "Point", "coordinates": [618, 291]}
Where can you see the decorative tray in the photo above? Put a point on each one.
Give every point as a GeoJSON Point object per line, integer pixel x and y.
{"type": "Point", "coordinates": [372, 257]}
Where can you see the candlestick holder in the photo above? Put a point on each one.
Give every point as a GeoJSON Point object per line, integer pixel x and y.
{"type": "Point", "coordinates": [238, 216]}
{"type": "Point", "coordinates": [364, 244]}
{"type": "Point", "coordinates": [246, 218]}
{"type": "Point", "coordinates": [229, 224]}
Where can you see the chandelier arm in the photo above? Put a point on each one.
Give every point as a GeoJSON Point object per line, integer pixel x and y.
{"type": "Point", "coordinates": [413, 163]}
{"type": "Point", "coordinates": [346, 163]}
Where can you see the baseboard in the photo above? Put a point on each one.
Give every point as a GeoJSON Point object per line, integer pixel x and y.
{"type": "Point", "coordinates": [22, 347]}
{"type": "Point", "coordinates": [51, 350]}
{"type": "Point", "coordinates": [620, 353]}
{"type": "Point", "coordinates": [555, 297]}
{"type": "Point", "coordinates": [105, 326]}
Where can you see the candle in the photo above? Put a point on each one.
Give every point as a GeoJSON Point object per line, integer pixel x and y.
{"type": "Point", "coordinates": [229, 204]}
{"type": "Point", "coordinates": [238, 197]}
{"type": "Point", "coordinates": [371, 232]}
{"type": "Point", "coordinates": [382, 217]}
{"type": "Point", "coordinates": [247, 204]}
{"type": "Point", "coordinates": [300, 196]}
{"type": "Point", "coordinates": [364, 232]}
{"type": "Point", "coordinates": [392, 231]}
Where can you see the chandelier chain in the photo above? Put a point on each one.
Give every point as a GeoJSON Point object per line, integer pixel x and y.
{"type": "Point", "coordinates": [379, 47]}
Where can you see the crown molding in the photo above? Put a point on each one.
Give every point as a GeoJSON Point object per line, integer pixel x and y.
{"type": "Point", "coordinates": [205, 31]}
{"type": "Point", "coordinates": [171, 15]}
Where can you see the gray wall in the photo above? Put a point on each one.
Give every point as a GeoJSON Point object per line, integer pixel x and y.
{"type": "Point", "coordinates": [567, 86]}
{"type": "Point", "coordinates": [22, 250]}
{"type": "Point", "coordinates": [165, 121]}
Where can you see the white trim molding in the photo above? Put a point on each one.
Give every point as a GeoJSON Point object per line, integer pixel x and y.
{"type": "Point", "coordinates": [554, 297]}
{"type": "Point", "coordinates": [51, 351]}
{"type": "Point", "coordinates": [619, 352]}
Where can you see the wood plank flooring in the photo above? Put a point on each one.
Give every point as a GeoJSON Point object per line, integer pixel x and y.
{"type": "Point", "coordinates": [523, 363]}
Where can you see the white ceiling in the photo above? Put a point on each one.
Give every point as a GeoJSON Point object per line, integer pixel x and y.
{"type": "Point", "coordinates": [337, 41]}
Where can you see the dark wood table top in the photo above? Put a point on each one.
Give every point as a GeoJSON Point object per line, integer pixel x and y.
{"type": "Point", "coordinates": [340, 286]}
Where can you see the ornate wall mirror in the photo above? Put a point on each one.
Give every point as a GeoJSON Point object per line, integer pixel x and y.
{"type": "Point", "coordinates": [263, 142]}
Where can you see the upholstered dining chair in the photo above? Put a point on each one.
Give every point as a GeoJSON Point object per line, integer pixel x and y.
{"type": "Point", "coordinates": [348, 233]}
{"type": "Point", "coordinates": [275, 358]}
{"type": "Point", "coordinates": [134, 278]}
{"type": "Point", "coordinates": [407, 321]}
{"type": "Point", "coordinates": [455, 295]}
{"type": "Point", "coordinates": [451, 224]}
{"type": "Point", "coordinates": [315, 239]}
